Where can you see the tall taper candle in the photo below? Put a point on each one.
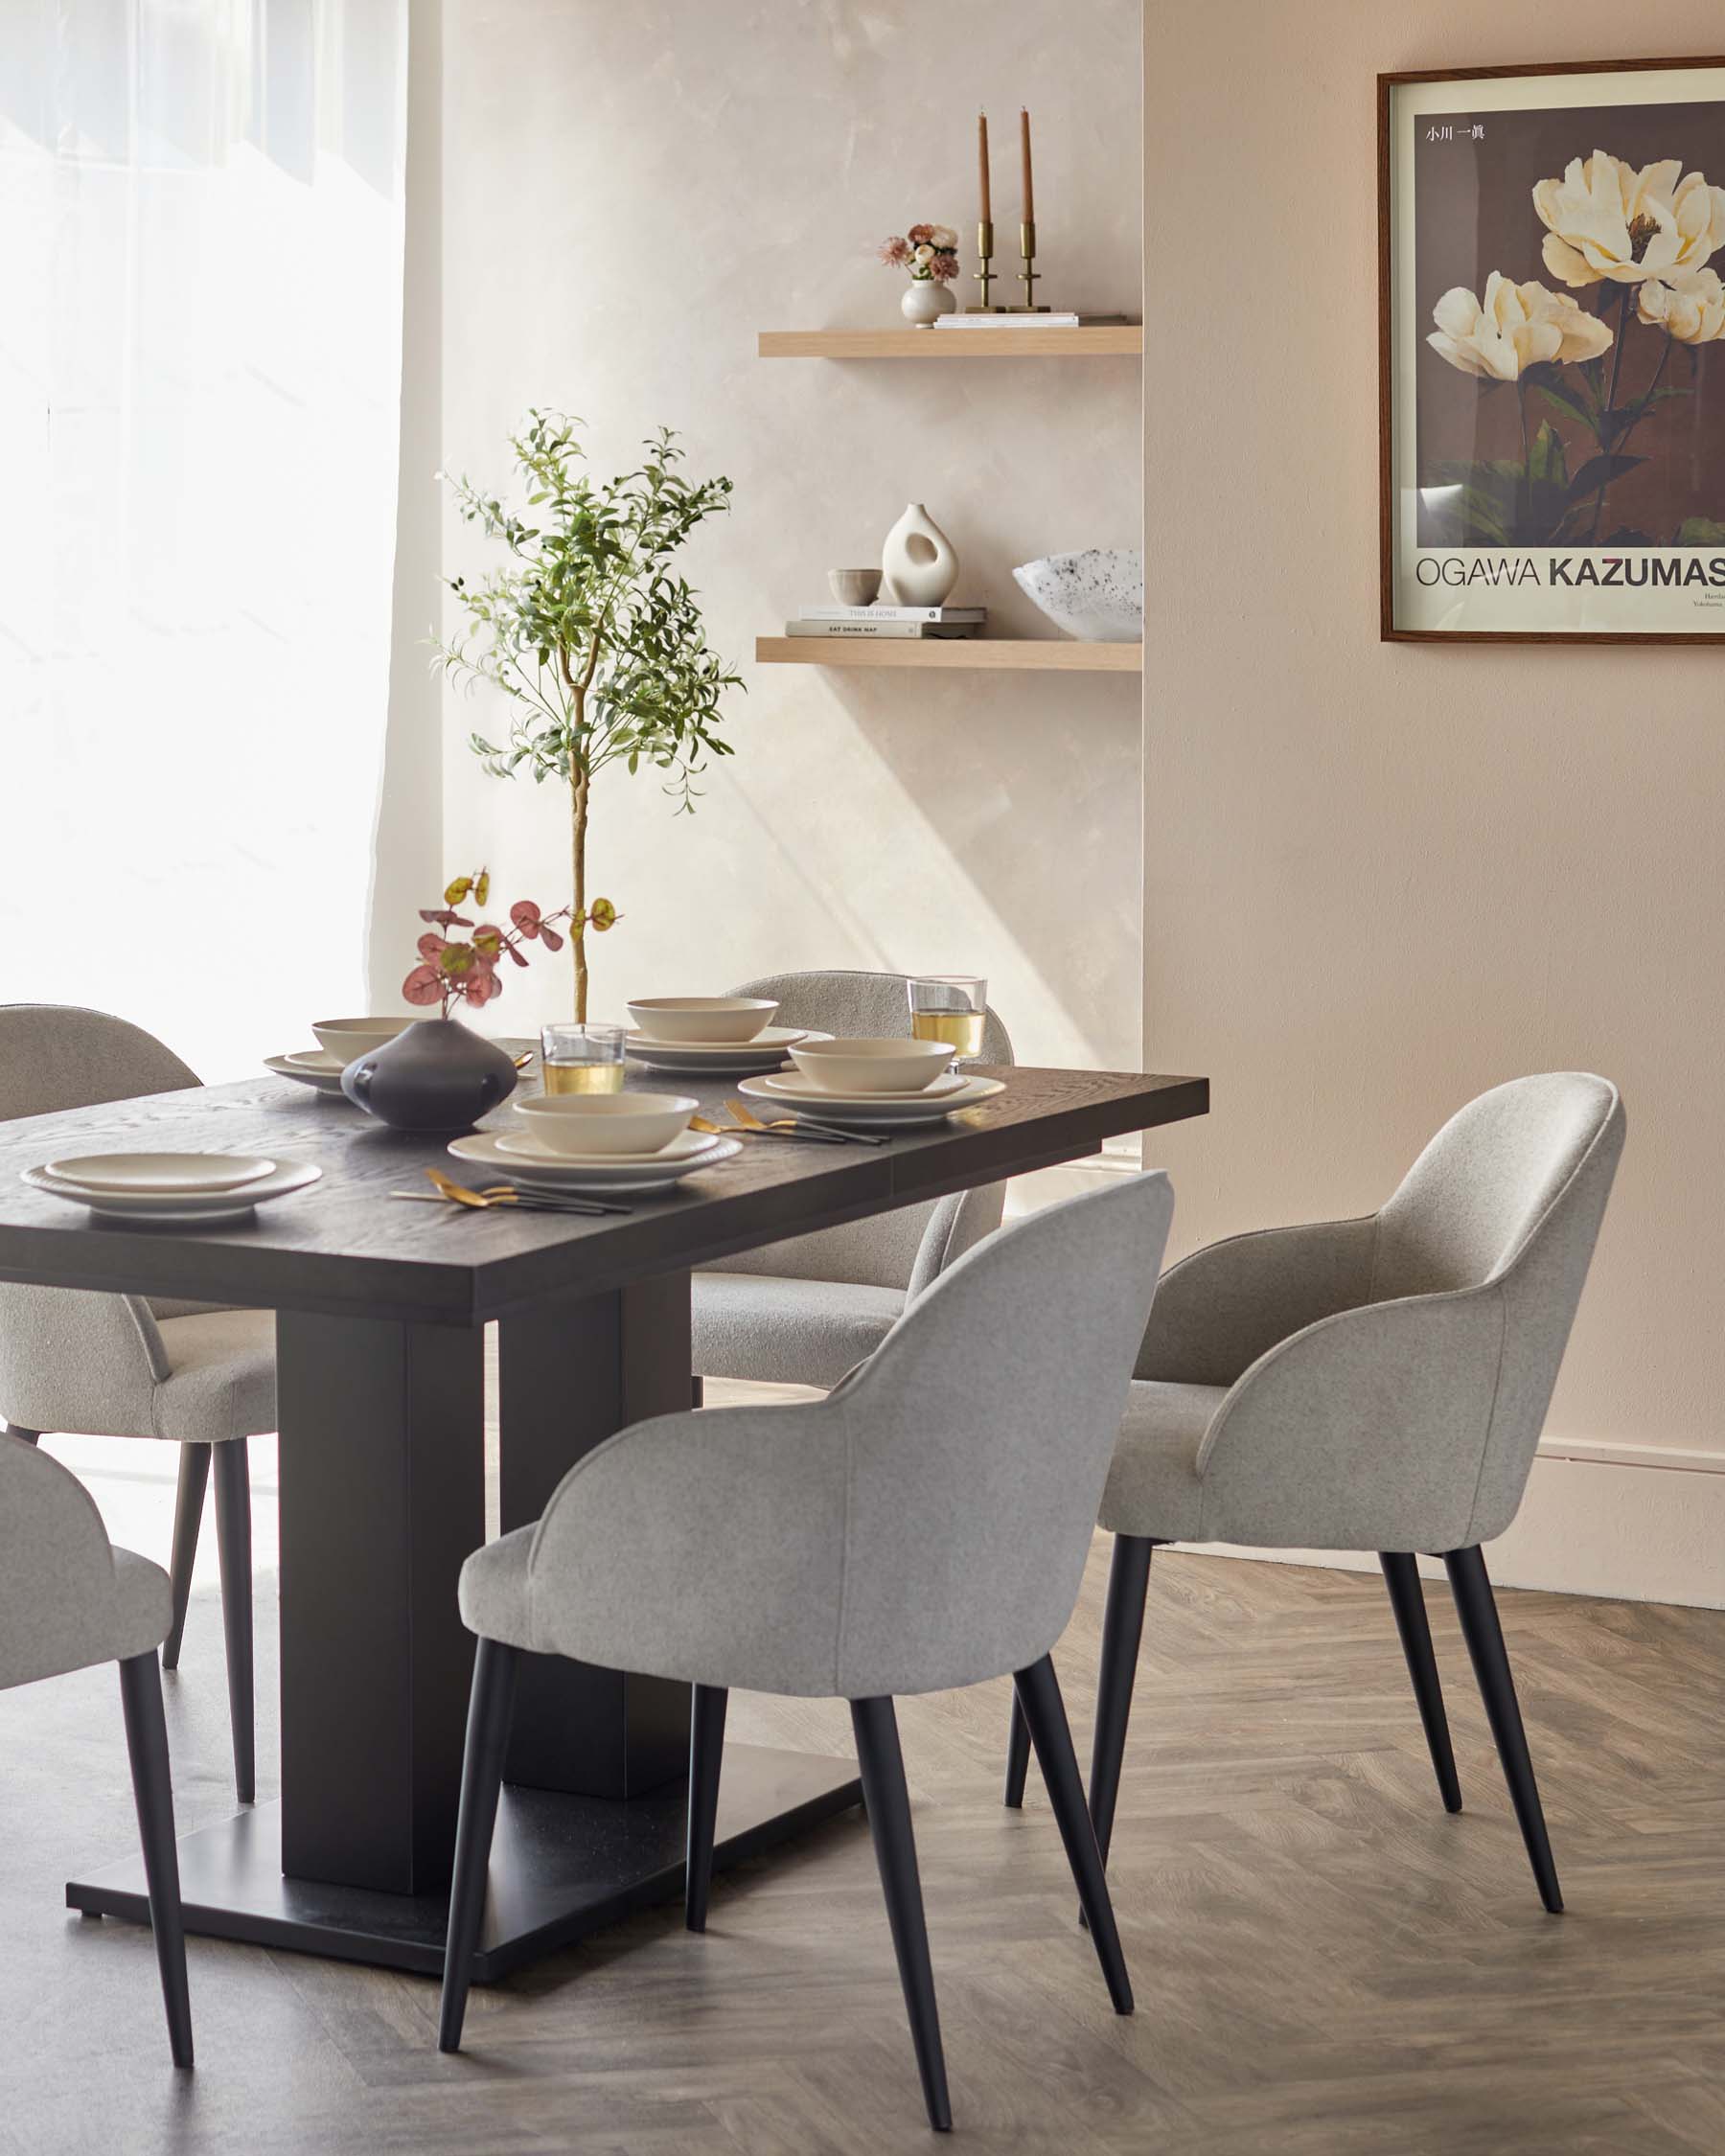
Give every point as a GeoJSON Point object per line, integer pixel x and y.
{"type": "Point", "coordinates": [987, 210]}
{"type": "Point", "coordinates": [1029, 209]}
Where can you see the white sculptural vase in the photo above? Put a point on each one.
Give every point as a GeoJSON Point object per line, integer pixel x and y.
{"type": "Point", "coordinates": [918, 563]}
{"type": "Point", "coordinates": [925, 301]}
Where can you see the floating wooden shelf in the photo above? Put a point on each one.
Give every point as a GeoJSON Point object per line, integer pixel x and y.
{"type": "Point", "coordinates": [952, 651]}
{"type": "Point", "coordinates": [1116, 341]}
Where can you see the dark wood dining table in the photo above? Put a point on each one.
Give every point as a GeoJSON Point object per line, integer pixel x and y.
{"type": "Point", "coordinates": [381, 1315]}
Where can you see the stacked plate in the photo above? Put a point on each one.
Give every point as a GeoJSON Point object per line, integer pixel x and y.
{"type": "Point", "coordinates": [204, 1188]}
{"type": "Point", "coordinates": [788, 1092]}
{"type": "Point", "coordinates": [523, 1159]}
{"type": "Point", "coordinates": [719, 1059]}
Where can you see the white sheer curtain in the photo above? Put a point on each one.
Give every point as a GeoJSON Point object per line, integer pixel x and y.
{"type": "Point", "coordinates": [200, 351]}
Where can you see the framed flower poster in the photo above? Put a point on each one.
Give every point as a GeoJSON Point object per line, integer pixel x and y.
{"type": "Point", "coordinates": [1552, 243]}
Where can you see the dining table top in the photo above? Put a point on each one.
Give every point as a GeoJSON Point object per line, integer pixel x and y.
{"type": "Point", "coordinates": [344, 1247]}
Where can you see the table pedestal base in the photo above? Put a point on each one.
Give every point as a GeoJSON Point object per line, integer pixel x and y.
{"type": "Point", "coordinates": [561, 1866]}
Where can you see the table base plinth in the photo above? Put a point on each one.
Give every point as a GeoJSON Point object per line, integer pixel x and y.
{"type": "Point", "coordinates": [561, 1868]}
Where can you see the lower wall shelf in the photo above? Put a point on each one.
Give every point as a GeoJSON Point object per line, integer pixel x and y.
{"type": "Point", "coordinates": [957, 652]}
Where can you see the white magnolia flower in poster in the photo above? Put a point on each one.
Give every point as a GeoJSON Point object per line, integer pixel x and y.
{"type": "Point", "coordinates": [1691, 307]}
{"type": "Point", "coordinates": [1604, 219]}
{"type": "Point", "coordinates": [1516, 327]}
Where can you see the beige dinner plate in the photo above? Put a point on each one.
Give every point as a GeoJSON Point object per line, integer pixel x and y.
{"type": "Point", "coordinates": [801, 1087]}
{"type": "Point", "coordinates": [793, 1091]}
{"type": "Point", "coordinates": [158, 1174]}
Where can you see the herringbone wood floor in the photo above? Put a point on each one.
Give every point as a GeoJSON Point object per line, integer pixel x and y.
{"type": "Point", "coordinates": [1325, 1963]}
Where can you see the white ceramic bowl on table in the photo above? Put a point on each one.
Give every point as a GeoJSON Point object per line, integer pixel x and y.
{"type": "Point", "coordinates": [703, 1019]}
{"type": "Point", "coordinates": [350, 1038]}
{"type": "Point", "coordinates": [581, 1125]}
{"type": "Point", "coordinates": [871, 1065]}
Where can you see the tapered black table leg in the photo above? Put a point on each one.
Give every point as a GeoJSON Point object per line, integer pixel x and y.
{"type": "Point", "coordinates": [233, 1542]}
{"type": "Point", "coordinates": [1039, 1690]}
{"type": "Point", "coordinates": [706, 1754]}
{"type": "Point", "coordinates": [187, 1518]}
{"type": "Point", "coordinates": [23, 1435]}
{"type": "Point", "coordinates": [488, 1710]}
{"type": "Point", "coordinates": [153, 1792]}
{"type": "Point", "coordinates": [1485, 1637]}
{"type": "Point", "coordinates": [1122, 1631]}
{"type": "Point", "coordinates": [1018, 1757]}
{"type": "Point", "coordinates": [888, 1803]}
{"type": "Point", "coordinates": [1407, 1598]}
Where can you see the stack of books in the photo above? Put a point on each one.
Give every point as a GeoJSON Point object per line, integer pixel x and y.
{"type": "Point", "coordinates": [883, 621]}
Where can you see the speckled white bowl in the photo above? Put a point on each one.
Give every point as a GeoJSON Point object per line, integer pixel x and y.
{"type": "Point", "coordinates": [1097, 596]}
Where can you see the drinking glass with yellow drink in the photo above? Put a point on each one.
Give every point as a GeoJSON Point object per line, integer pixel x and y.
{"type": "Point", "coordinates": [582, 1058]}
{"type": "Point", "coordinates": [949, 1007]}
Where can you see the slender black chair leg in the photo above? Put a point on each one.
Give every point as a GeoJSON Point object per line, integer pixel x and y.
{"type": "Point", "coordinates": [1039, 1690]}
{"type": "Point", "coordinates": [24, 1436]}
{"type": "Point", "coordinates": [888, 1803]}
{"type": "Point", "coordinates": [1018, 1757]}
{"type": "Point", "coordinates": [1122, 1629]}
{"type": "Point", "coordinates": [187, 1518]}
{"type": "Point", "coordinates": [1485, 1637]}
{"type": "Point", "coordinates": [233, 1542]}
{"type": "Point", "coordinates": [488, 1709]}
{"type": "Point", "coordinates": [152, 1790]}
{"type": "Point", "coordinates": [706, 1755]}
{"type": "Point", "coordinates": [1407, 1598]}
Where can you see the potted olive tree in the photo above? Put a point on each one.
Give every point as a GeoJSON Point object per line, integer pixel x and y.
{"type": "Point", "coordinates": [587, 629]}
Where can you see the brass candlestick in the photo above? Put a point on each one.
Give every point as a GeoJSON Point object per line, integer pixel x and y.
{"type": "Point", "coordinates": [1028, 276]}
{"type": "Point", "coordinates": [984, 274]}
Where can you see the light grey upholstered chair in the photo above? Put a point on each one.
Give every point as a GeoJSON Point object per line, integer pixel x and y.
{"type": "Point", "coordinates": [1374, 1384]}
{"type": "Point", "coordinates": [804, 1311]}
{"type": "Point", "coordinates": [107, 1365]}
{"type": "Point", "coordinates": [69, 1599]}
{"type": "Point", "coordinates": [925, 1526]}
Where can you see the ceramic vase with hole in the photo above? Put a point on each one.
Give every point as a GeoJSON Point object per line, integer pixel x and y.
{"type": "Point", "coordinates": [436, 1079]}
{"type": "Point", "coordinates": [919, 563]}
{"type": "Point", "coordinates": [925, 301]}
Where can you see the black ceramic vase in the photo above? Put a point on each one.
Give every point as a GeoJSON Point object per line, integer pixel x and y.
{"type": "Point", "coordinates": [436, 1078]}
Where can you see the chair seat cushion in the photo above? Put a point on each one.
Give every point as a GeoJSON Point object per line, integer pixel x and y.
{"type": "Point", "coordinates": [143, 1605]}
{"type": "Point", "coordinates": [778, 1330]}
{"type": "Point", "coordinates": [1153, 1486]}
{"type": "Point", "coordinates": [221, 1380]}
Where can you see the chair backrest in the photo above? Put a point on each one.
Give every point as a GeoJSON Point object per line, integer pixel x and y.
{"type": "Point", "coordinates": [879, 1253]}
{"type": "Point", "coordinates": [72, 1358]}
{"type": "Point", "coordinates": [980, 1435]}
{"type": "Point", "coordinates": [1511, 1192]}
{"type": "Point", "coordinates": [56, 1569]}
{"type": "Point", "coordinates": [55, 1056]}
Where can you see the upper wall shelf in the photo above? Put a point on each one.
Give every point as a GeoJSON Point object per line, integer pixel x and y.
{"type": "Point", "coordinates": [1114, 341]}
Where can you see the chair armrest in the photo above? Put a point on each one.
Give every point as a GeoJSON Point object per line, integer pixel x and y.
{"type": "Point", "coordinates": [1367, 1431]}
{"type": "Point", "coordinates": [56, 1569]}
{"type": "Point", "coordinates": [1217, 1310]}
{"type": "Point", "coordinates": [80, 1359]}
{"type": "Point", "coordinates": [957, 1224]}
{"type": "Point", "coordinates": [708, 1546]}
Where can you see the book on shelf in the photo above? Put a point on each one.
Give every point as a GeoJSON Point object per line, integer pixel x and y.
{"type": "Point", "coordinates": [1053, 320]}
{"type": "Point", "coordinates": [894, 613]}
{"type": "Point", "coordinates": [882, 630]}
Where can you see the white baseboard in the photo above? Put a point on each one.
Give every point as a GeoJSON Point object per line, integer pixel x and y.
{"type": "Point", "coordinates": [1631, 1522]}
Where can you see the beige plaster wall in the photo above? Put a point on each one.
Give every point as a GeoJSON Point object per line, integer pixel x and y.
{"type": "Point", "coordinates": [1382, 878]}
{"type": "Point", "coordinates": [632, 193]}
